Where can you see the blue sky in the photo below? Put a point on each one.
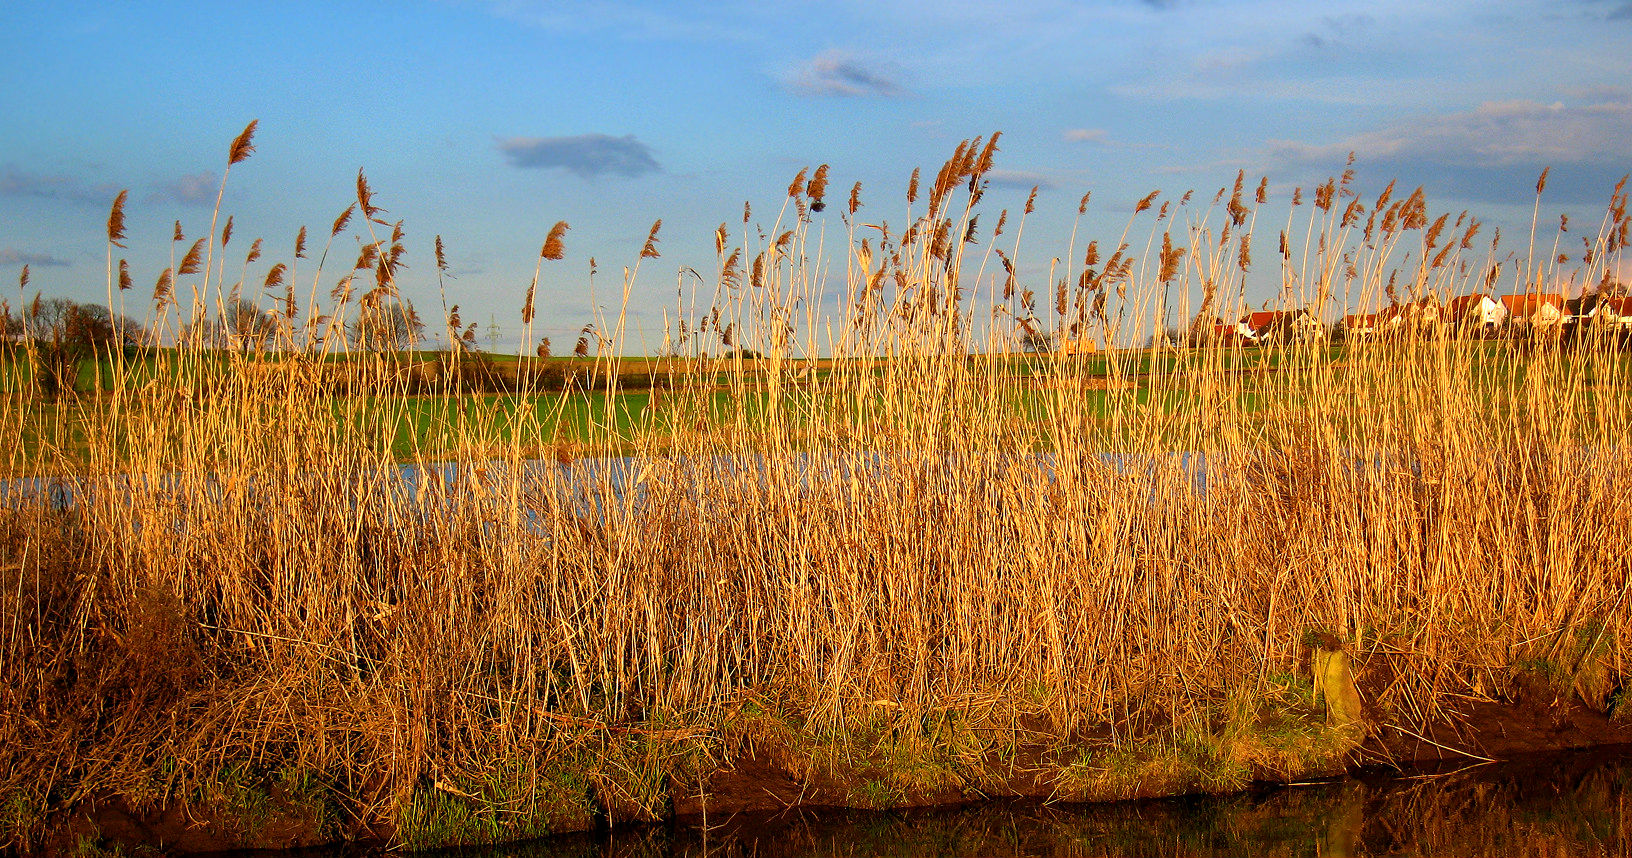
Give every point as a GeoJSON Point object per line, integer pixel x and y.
{"type": "Point", "coordinates": [486, 122]}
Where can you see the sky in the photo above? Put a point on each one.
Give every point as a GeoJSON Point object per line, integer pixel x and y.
{"type": "Point", "coordinates": [486, 121]}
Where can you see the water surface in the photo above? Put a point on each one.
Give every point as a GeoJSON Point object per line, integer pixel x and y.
{"type": "Point", "coordinates": [1573, 804]}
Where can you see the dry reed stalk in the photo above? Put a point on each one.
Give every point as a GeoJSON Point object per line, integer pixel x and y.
{"type": "Point", "coordinates": [899, 510]}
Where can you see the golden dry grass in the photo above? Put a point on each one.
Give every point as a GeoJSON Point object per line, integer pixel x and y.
{"type": "Point", "coordinates": [242, 577]}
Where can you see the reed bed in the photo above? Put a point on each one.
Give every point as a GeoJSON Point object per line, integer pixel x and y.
{"type": "Point", "coordinates": [887, 519]}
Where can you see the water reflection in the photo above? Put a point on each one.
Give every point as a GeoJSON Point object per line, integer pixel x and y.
{"type": "Point", "coordinates": [1574, 804]}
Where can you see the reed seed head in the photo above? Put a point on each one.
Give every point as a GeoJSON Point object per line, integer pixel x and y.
{"type": "Point", "coordinates": [649, 249]}
{"type": "Point", "coordinates": [554, 248]}
{"type": "Point", "coordinates": [191, 262]}
{"type": "Point", "coordinates": [116, 220]}
{"type": "Point", "coordinates": [243, 145]}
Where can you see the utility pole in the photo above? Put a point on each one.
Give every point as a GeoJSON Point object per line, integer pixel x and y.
{"type": "Point", "coordinates": [494, 333]}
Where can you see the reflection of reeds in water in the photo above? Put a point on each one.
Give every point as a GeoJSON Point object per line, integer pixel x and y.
{"type": "Point", "coordinates": [868, 532]}
{"type": "Point", "coordinates": [1576, 809]}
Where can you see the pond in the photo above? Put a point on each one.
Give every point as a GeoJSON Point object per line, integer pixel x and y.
{"type": "Point", "coordinates": [1558, 805]}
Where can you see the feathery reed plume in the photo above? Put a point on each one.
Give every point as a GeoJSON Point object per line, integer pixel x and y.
{"type": "Point", "coordinates": [731, 271]}
{"type": "Point", "coordinates": [1324, 194]}
{"type": "Point", "coordinates": [164, 287]}
{"type": "Point", "coordinates": [367, 255]}
{"type": "Point", "coordinates": [1243, 259]}
{"type": "Point", "coordinates": [855, 197]}
{"type": "Point", "coordinates": [1541, 181]}
{"type": "Point", "coordinates": [22, 279]}
{"type": "Point", "coordinates": [1082, 204]}
{"type": "Point", "coordinates": [1297, 197]}
{"type": "Point", "coordinates": [116, 220]}
{"type": "Point", "coordinates": [1563, 223]}
{"type": "Point", "coordinates": [1473, 229]}
{"type": "Point", "coordinates": [1262, 196]}
{"type": "Point", "coordinates": [124, 275]}
{"type": "Point", "coordinates": [254, 252]}
{"type": "Point", "coordinates": [747, 211]}
{"type": "Point", "coordinates": [193, 260]}
{"type": "Point", "coordinates": [1430, 240]}
{"type": "Point", "coordinates": [581, 348]}
{"type": "Point", "coordinates": [365, 196]}
{"type": "Point", "coordinates": [797, 186]}
{"type": "Point", "coordinates": [1169, 259]}
{"type": "Point", "coordinates": [1352, 212]}
{"type": "Point", "coordinates": [527, 305]}
{"type": "Point", "coordinates": [817, 190]}
{"type": "Point", "coordinates": [176, 235]}
{"type": "Point", "coordinates": [441, 257]}
{"type": "Point", "coordinates": [912, 186]}
{"type": "Point", "coordinates": [242, 145]}
{"type": "Point", "coordinates": [983, 164]}
{"type": "Point", "coordinates": [300, 243]}
{"type": "Point", "coordinates": [1002, 218]}
{"type": "Point", "coordinates": [1414, 213]}
{"type": "Point", "coordinates": [274, 278]}
{"type": "Point", "coordinates": [344, 219]}
{"type": "Point", "coordinates": [649, 249]}
{"type": "Point", "coordinates": [553, 246]}
{"type": "Point", "coordinates": [1146, 202]}
{"type": "Point", "coordinates": [1031, 200]}
{"type": "Point", "coordinates": [226, 232]}
{"type": "Point", "coordinates": [720, 236]}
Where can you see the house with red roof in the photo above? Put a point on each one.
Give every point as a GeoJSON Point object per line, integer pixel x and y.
{"type": "Point", "coordinates": [1611, 312]}
{"type": "Point", "coordinates": [1535, 310]}
{"type": "Point", "coordinates": [1237, 334]}
{"type": "Point", "coordinates": [1359, 325]}
{"type": "Point", "coordinates": [1285, 325]}
{"type": "Point", "coordinates": [1475, 313]}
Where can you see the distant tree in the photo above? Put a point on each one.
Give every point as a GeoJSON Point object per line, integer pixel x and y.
{"type": "Point", "coordinates": [1165, 337]}
{"type": "Point", "coordinates": [385, 326]}
{"type": "Point", "coordinates": [1036, 341]}
{"type": "Point", "coordinates": [11, 327]}
{"type": "Point", "coordinates": [248, 326]}
{"type": "Point", "coordinates": [62, 334]}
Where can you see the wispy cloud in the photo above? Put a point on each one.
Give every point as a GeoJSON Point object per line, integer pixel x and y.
{"type": "Point", "coordinates": [194, 189]}
{"type": "Point", "coordinates": [839, 73]}
{"type": "Point", "coordinates": [1087, 135]}
{"type": "Point", "coordinates": [1103, 138]}
{"type": "Point", "coordinates": [1333, 31]}
{"type": "Point", "coordinates": [586, 155]}
{"type": "Point", "coordinates": [12, 256]}
{"type": "Point", "coordinates": [1019, 179]}
{"type": "Point", "coordinates": [20, 183]}
{"type": "Point", "coordinates": [1496, 133]}
{"type": "Point", "coordinates": [1493, 151]}
{"type": "Point", "coordinates": [644, 21]}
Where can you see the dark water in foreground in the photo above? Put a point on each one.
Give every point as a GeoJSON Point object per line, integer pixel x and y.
{"type": "Point", "coordinates": [1561, 805]}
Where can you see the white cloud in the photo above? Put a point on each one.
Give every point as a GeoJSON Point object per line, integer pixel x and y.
{"type": "Point", "coordinates": [1018, 179]}
{"type": "Point", "coordinates": [1087, 135]}
{"type": "Point", "coordinates": [195, 189]}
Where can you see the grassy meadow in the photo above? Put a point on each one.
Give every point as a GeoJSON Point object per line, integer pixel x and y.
{"type": "Point", "coordinates": [892, 559]}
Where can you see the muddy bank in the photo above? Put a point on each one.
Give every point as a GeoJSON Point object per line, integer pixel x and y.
{"type": "Point", "coordinates": [766, 777]}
